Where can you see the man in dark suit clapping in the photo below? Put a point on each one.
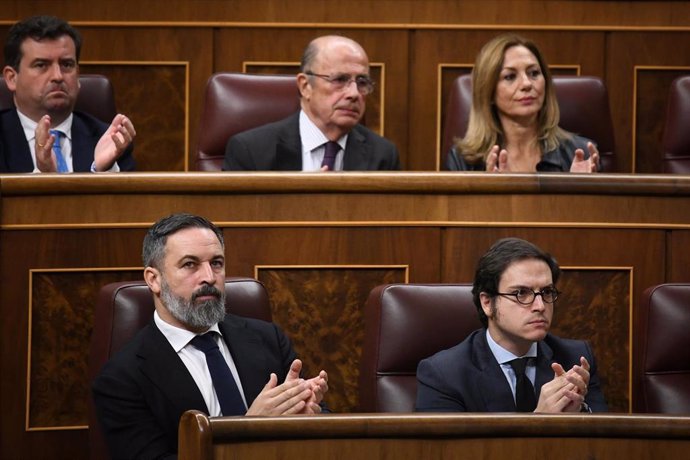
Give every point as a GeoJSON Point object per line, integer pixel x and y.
{"type": "Point", "coordinates": [513, 363]}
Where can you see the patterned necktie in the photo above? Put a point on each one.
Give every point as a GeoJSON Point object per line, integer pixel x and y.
{"type": "Point", "coordinates": [223, 382]}
{"type": "Point", "coordinates": [57, 149]}
{"type": "Point", "coordinates": [525, 400]}
{"type": "Point", "coordinates": [332, 149]}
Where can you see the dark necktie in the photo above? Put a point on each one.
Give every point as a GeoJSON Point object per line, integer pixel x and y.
{"type": "Point", "coordinates": [332, 149]}
{"type": "Point", "coordinates": [57, 149]}
{"type": "Point", "coordinates": [226, 389]}
{"type": "Point", "coordinates": [525, 400]}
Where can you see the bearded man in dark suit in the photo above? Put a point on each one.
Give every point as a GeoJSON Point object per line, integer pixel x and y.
{"type": "Point", "coordinates": [142, 392]}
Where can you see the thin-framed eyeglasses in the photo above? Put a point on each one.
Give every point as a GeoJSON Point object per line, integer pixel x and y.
{"type": "Point", "coordinates": [365, 85]}
{"type": "Point", "coordinates": [525, 296]}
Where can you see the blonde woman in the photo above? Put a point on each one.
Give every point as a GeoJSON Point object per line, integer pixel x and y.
{"type": "Point", "coordinates": [513, 125]}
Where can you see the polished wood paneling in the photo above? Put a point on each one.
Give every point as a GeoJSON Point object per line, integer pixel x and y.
{"type": "Point", "coordinates": [652, 84]}
{"type": "Point", "coordinates": [321, 309]}
{"type": "Point", "coordinates": [455, 436]}
{"type": "Point", "coordinates": [611, 232]}
{"type": "Point", "coordinates": [589, 298]}
{"type": "Point", "coordinates": [50, 249]}
{"type": "Point", "coordinates": [552, 13]}
{"type": "Point", "coordinates": [62, 306]}
{"type": "Point", "coordinates": [605, 39]}
{"type": "Point", "coordinates": [157, 105]}
{"type": "Point", "coordinates": [158, 76]}
{"type": "Point", "coordinates": [638, 111]}
{"type": "Point", "coordinates": [677, 266]}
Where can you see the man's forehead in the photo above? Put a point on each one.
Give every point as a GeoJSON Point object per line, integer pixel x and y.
{"type": "Point", "coordinates": [337, 53]}
{"type": "Point", "coordinates": [63, 42]}
{"type": "Point", "coordinates": [193, 240]}
{"type": "Point", "coordinates": [526, 271]}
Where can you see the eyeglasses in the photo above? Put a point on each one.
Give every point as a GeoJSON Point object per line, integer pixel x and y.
{"type": "Point", "coordinates": [526, 296]}
{"type": "Point", "coordinates": [341, 81]}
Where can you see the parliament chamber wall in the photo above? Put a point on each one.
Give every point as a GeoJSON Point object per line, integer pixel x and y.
{"type": "Point", "coordinates": [318, 244]}
{"type": "Point", "coordinates": [159, 55]}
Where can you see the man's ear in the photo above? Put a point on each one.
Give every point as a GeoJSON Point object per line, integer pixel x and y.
{"type": "Point", "coordinates": [153, 279]}
{"type": "Point", "coordinates": [304, 86]}
{"type": "Point", "coordinates": [10, 76]}
{"type": "Point", "coordinates": [487, 304]}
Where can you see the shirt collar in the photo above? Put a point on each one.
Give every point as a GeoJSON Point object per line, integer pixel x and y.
{"type": "Point", "coordinates": [29, 127]}
{"type": "Point", "coordinates": [504, 356]}
{"type": "Point", "coordinates": [312, 137]}
{"type": "Point", "coordinates": [177, 336]}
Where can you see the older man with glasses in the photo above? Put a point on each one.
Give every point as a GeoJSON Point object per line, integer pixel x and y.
{"type": "Point", "coordinates": [325, 135]}
{"type": "Point", "coordinates": [512, 364]}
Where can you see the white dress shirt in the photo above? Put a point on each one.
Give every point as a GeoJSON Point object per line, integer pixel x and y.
{"type": "Point", "coordinates": [195, 361]}
{"type": "Point", "coordinates": [504, 357]}
{"type": "Point", "coordinates": [313, 145]}
{"type": "Point", "coordinates": [65, 127]}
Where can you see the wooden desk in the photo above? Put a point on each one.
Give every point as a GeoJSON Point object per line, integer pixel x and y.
{"type": "Point", "coordinates": [434, 436]}
{"type": "Point", "coordinates": [320, 243]}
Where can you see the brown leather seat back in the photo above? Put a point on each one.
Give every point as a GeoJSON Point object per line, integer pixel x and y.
{"type": "Point", "coordinates": [664, 342]}
{"type": "Point", "coordinates": [676, 138]}
{"type": "Point", "coordinates": [96, 97]}
{"type": "Point", "coordinates": [124, 308]}
{"type": "Point", "coordinates": [403, 324]}
{"type": "Point", "coordinates": [583, 103]}
{"type": "Point", "coordinates": [236, 102]}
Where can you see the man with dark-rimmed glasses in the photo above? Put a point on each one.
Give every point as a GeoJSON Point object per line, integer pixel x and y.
{"type": "Point", "coordinates": [326, 134]}
{"type": "Point", "coordinates": [512, 364]}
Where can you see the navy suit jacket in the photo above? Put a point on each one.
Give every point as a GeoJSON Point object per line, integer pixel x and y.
{"type": "Point", "coordinates": [15, 155]}
{"type": "Point", "coordinates": [142, 392]}
{"type": "Point", "coordinates": [467, 377]}
{"type": "Point", "coordinates": [278, 147]}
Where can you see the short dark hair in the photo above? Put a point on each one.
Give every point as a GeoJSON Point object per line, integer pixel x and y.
{"type": "Point", "coordinates": [153, 250]}
{"type": "Point", "coordinates": [38, 28]}
{"type": "Point", "coordinates": [495, 261]}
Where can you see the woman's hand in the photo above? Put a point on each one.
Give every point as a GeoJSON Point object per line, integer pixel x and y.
{"type": "Point", "coordinates": [590, 165]}
{"type": "Point", "coordinates": [497, 160]}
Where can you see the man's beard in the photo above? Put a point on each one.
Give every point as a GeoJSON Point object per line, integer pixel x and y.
{"type": "Point", "coordinates": [195, 315]}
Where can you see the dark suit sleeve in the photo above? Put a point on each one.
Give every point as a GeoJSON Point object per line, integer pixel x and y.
{"type": "Point", "coordinates": [435, 391]}
{"type": "Point", "coordinates": [238, 157]}
{"type": "Point", "coordinates": [395, 161]}
{"type": "Point", "coordinates": [126, 161]}
{"type": "Point", "coordinates": [595, 397]}
{"type": "Point", "coordinates": [128, 424]}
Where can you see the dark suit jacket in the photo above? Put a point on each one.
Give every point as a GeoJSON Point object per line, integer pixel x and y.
{"type": "Point", "coordinates": [278, 147]}
{"type": "Point", "coordinates": [142, 392]}
{"type": "Point", "coordinates": [467, 377]}
{"type": "Point", "coordinates": [15, 155]}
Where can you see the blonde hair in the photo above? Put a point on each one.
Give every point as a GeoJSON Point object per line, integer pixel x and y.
{"type": "Point", "coordinates": [484, 129]}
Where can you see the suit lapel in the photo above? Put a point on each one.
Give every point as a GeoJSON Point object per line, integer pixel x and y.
{"type": "Point", "coordinates": [356, 152]}
{"type": "Point", "coordinates": [84, 141]}
{"type": "Point", "coordinates": [544, 371]}
{"type": "Point", "coordinates": [289, 146]}
{"type": "Point", "coordinates": [493, 385]}
{"type": "Point", "coordinates": [165, 369]}
{"type": "Point", "coordinates": [244, 344]}
{"type": "Point", "coordinates": [17, 152]}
